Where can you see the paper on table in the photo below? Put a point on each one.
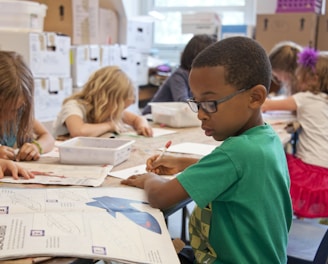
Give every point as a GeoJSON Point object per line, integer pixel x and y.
{"type": "Point", "coordinates": [63, 174]}
{"type": "Point", "coordinates": [192, 148]}
{"type": "Point", "coordinates": [140, 169]}
{"type": "Point", "coordinates": [157, 132]}
{"type": "Point", "coordinates": [110, 223]}
{"type": "Point", "coordinates": [124, 174]}
{"type": "Point", "coordinates": [277, 117]}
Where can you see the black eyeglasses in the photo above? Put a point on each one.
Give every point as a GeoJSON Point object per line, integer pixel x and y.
{"type": "Point", "coordinates": [210, 106]}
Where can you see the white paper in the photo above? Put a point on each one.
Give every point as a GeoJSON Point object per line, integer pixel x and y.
{"type": "Point", "coordinates": [126, 173]}
{"type": "Point", "coordinates": [63, 174]}
{"type": "Point", "coordinates": [192, 148]}
{"type": "Point", "coordinates": [140, 169]}
{"type": "Point", "coordinates": [278, 117]}
{"type": "Point", "coordinates": [97, 223]}
{"type": "Point", "coordinates": [157, 132]}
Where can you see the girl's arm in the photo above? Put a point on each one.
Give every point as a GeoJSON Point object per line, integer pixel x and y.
{"type": "Point", "coordinates": [43, 143]}
{"type": "Point", "coordinates": [139, 123]}
{"type": "Point", "coordinates": [43, 137]}
{"type": "Point", "coordinates": [287, 104]}
{"type": "Point", "coordinates": [78, 128]}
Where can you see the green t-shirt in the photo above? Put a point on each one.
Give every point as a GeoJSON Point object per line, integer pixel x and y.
{"type": "Point", "coordinates": [242, 189]}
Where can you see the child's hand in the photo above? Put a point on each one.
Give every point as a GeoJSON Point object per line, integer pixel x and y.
{"type": "Point", "coordinates": [7, 153]}
{"type": "Point", "coordinates": [10, 167]}
{"type": "Point", "coordinates": [145, 131]}
{"type": "Point", "coordinates": [166, 165]}
{"type": "Point", "coordinates": [137, 180]}
{"type": "Point", "coordinates": [28, 151]}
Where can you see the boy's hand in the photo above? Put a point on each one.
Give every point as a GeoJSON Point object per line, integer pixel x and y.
{"type": "Point", "coordinates": [166, 165]}
{"type": "Point", "coordinates": [10, 167]}
{"type": "Point", "coordinates": [137, 180]}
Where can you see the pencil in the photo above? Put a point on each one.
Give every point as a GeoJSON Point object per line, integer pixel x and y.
{"type": "Point", "coordinates": [167, 145]}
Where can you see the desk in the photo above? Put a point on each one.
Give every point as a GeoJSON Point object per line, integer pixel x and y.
{"type": "Point", "coordinates": [145, 147]}
{"type": "Point", "coordinates": [141, 150]}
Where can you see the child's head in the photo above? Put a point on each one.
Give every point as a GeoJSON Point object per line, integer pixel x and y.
{"type": "Point", "coordinates": [106, 94]}
{"type": "Point", "coordinates": [195, 45]}
{"type": "Point", "coordinates": [283, 58]}
{"type": "Point", "coordinates": [230, 81]}
{"type": "Point", "coordinates": [312, 71]}
{"type": "Point", "coordinates": [17, 97]}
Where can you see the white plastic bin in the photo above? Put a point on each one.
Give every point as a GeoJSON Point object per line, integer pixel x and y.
{"type": "Point", "coordinates": [93, 150]}
{"type": "Point", "coordinates": [18, 15]}
{"type": "Point", "coordinates": [174, 114]}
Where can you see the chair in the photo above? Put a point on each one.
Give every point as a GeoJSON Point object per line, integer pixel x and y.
{"type": "Point", "coordinates": [181, 206]}
{"type": "Point", "coordinates": [308, 243]}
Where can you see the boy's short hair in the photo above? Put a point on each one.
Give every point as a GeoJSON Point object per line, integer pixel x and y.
{"type": "Point", "coordinates": [245, 62]}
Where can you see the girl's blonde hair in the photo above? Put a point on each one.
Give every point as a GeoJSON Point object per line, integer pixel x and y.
{"type": "Point", "coordinates": [104, 95]}
{"type": "Point", "coordinates": [283, 58]}
{"type": "Point", "coordinates": [16, 85]}
{"type": "Point", "coordinates": [316, 78]}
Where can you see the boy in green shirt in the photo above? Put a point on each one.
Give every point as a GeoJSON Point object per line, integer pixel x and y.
{"type": "Point", "coordinates": [241, 189]}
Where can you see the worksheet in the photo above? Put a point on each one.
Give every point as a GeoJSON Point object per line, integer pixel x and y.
{"type": "Point", "coordinates": [59, 174]}
{"type": "Point", "coordinates": [192, 148]}
{"type": "Point", "coordinates": [139, 169]}
{"type": "Point", "coordinates": [114, 223]}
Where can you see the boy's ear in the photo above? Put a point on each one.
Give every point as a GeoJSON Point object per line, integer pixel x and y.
{"type": "Point", "coordinates": [257, 97]}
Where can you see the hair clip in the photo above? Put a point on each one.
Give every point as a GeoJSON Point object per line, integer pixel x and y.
{"type": "Point", "coordinates": [308, 58]}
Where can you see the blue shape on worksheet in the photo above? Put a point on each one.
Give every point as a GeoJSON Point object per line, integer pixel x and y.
{"type": "Point", "coordinates": [115, 205]}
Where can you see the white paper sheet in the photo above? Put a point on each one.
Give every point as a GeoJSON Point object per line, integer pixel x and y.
{"type": "Point", "coordinates": [59, 174]}
{"type": "Point", "coordinates": [278, 117]}
{"type": "Point", "coordinates": [140, 169]}
{"type": "Point", "coordinates": [192, 148]}
{"type": "Point", "coordinates": [113, 223]}
{"type": "Point", "coordinates": [124, 174]}
{"type": "Point", "coordinates": [157, 132]}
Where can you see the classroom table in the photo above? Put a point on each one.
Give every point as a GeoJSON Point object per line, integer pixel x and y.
{"type": "Point", "coordinates": [142, 149]}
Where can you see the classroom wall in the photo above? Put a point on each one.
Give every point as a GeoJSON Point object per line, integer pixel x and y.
{"type": "Point", "coordinates": [266, 7]}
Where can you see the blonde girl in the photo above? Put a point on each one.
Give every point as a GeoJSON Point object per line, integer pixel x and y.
{"type": "Point", "coordinates": [21, 136]}
{"type": "Point", "coordinates": [308, 168]}
{"type": "Point", "coordinates": [100, 107]}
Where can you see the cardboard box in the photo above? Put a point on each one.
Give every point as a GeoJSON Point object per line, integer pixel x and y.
{"type": "Point", "coordinates": [140, 34]}
{"type": "Point", "coordinates": [83, 20]}
{"type": "Point", "coordinates": [22, 16]}
{"type": "Point", "coordinates": [46, 53]}
{"type": "Point", "coordinates": [288, 6]}
{"type": "Point", "coordinates": [322, 42]}
{"type": "Point", "coordinates": [298, 27]}
{"type": "Point", "coordinates": [49, 95]}
{"type": "Point", "coordinates": [85, 61]}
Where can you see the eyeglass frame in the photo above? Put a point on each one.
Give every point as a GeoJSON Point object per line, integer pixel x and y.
{"type": "Point", "coordinates": [216, 102]}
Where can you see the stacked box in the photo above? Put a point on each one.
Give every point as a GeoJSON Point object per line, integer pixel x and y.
{"type": "Point", "coordinates": [298, 27]}
{"type": "Point", "coordinates": [289, 6]}
{"type": "Point", "coordinates": [48, 56]}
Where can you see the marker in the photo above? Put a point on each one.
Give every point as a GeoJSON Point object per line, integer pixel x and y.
{"type": "Point", "coordinates": [167, 145]}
